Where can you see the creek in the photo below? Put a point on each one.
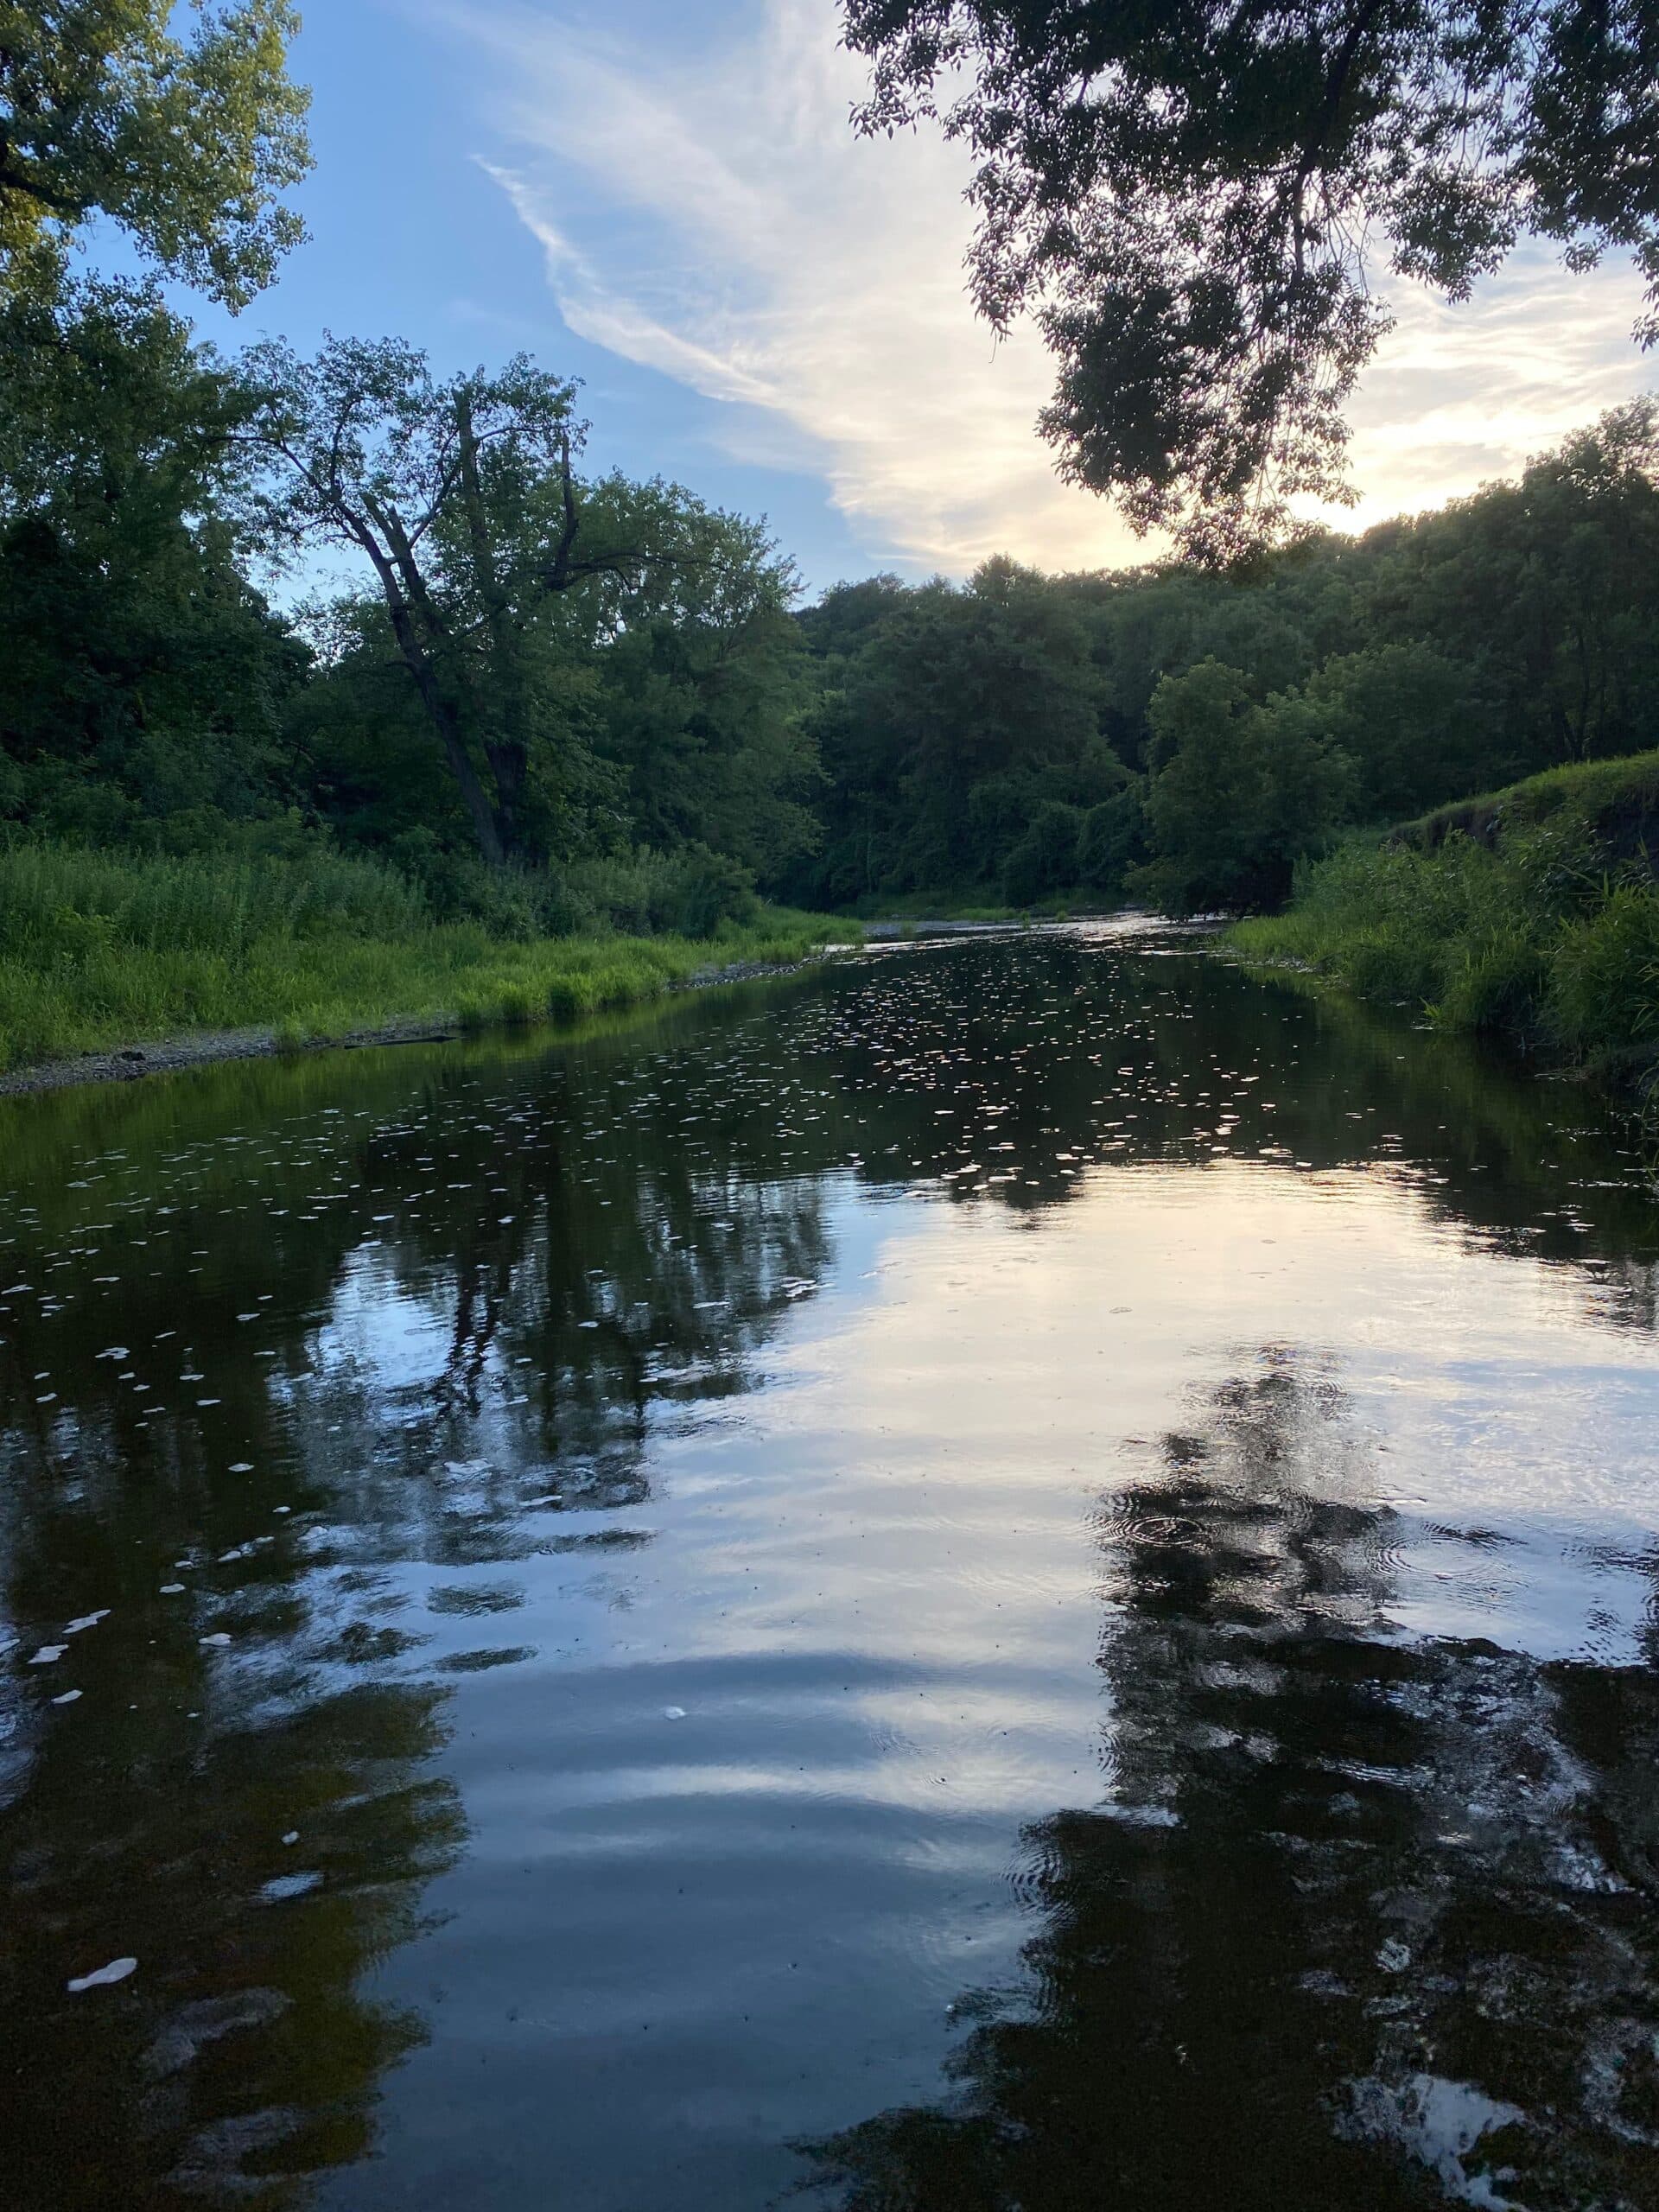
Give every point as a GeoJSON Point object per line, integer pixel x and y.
{"type": "Point", "coordinates": [1017, 1572]}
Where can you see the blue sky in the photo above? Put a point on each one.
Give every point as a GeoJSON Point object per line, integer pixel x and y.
{"type": "Point", "coordinates": [667, 202]}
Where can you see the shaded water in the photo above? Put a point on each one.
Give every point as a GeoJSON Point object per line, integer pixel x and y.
{"type": "Point", "coordinates": [1020, 1574]}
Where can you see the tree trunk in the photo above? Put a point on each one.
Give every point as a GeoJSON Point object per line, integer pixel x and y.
{"type": "Point", "coordinates": [506, 741]}
{"type": "Point", "coordinates": [440, 710]}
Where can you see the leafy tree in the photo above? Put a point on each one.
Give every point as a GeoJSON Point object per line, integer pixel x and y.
{"type": "Point", "coordinates": [362, 746]}
{"type": "Point", "coordinates": [462, 496]}
{"type": "Point", "coordinates": [861, 807]}
{"type": "Point", "coordinates": [602, 662]}
{"type": "Point", "coordinates": [1414, 724]}
{"type": "Point", "coordinates": [1188, 198]}
{"type": "Point", "coordinates": [849, 615]}
{"type": "Point", "coordinates": [960, 716]}
{"type": "Point", "coordinates": [1159, 621]}
{"type": "Point", "coordinates": [1111, 839]}
{"type": "Point", "coordinates": [1238, 791]}
{"type": "Point", "coordinates": [1045, 859]}
{"type": "Point", "coordinates": [1550, 587]}
{"type": "Point", "coordinates": [143, 681]}
{"type": "Point", "coordinates": [185, 144]}
{"type": "Point", "coordinates": [704, 687]}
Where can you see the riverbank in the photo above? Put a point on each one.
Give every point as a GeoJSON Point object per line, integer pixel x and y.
{"type": "Point", "coordinates": [110, 969]}
{"type": "Point", "coordinates": [931, 917]}
{"type": "Point", "coordinates": [772, 955]}
{"type": "Point", "coordinates": [1531, 913]}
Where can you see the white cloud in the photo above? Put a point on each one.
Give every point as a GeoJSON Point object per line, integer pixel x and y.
{"type": "Point", "coordinates": [713, 217]}
{"type": "Point", "coordinates": [1460, 395]}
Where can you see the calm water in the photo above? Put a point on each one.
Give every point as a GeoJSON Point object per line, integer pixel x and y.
{"type": "Point", "coordinates": [1019, 1575]}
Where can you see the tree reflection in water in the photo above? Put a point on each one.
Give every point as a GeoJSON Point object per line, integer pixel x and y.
{"type": "Point", "coordinates": [258, 1823]}
{"type": "Point", "coordinates": [1364, 1921]}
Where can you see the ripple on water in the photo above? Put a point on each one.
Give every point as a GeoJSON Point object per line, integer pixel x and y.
{"type": "Point", "coordinates": [1073, 1683]}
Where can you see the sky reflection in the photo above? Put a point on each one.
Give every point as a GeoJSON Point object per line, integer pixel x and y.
{"type": "Point", "coordinates": [698, 1513]}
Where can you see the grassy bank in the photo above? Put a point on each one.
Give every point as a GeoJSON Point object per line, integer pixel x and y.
{"type": "Point", "coordinates": [100, 951]}
{"type": "Point", "coordinates": [1531, 912]}
{"type": "Point", "coordinates": [916, 907]}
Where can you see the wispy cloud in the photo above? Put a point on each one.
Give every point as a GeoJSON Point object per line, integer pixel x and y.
{"type": "Point", "coordinates": [712, 217]}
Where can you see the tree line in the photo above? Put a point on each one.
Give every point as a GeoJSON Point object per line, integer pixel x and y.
{"type": "Point", "coordinates": [273, 602]}
{"type": "Point", "coordinates": [531, 668]}
{"type": "Point", "coordinates": [1183, 735]}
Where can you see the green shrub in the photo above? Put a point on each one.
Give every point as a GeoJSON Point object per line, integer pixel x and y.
{"type": "Point", "coordinates": [1604, 984]}
{"type": "Point", "coordinates": [1533, 913]}
{"type": "Point", "coordinates": [711, 889]}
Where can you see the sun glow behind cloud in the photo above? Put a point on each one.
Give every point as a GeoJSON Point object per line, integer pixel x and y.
{"type": "Point", "coordinates": [710, 214]}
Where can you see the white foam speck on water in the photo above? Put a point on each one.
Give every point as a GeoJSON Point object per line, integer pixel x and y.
{"type": "Point", "coordinates": [48, 1653]}
{"type": "Point", "coordinates": [86, 1620]}
{"type": "Point", "coordinates": [283, 1886]}
{"type": "Point", "coordinates": [673, 1712]}
{"type": "Point", "coordinates": [68, 1697]}
{"type": "Point", "coordinates": [215, 1642]}
{"type": "Point", "coordinates": [102, 1977]}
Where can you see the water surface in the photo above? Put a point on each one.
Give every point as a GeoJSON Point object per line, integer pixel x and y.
{"type": "Point", "coordinates": [1021, 1573]}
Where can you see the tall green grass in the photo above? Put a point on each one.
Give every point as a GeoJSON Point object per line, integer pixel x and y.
{"type": "Point", "coordinates": [58, 902]}
{"type": "Point", "coordinates": [100, 951]}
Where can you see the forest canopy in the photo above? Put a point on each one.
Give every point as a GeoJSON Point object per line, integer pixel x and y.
{"type": "Point", "coordinates": [545, 673]}
{"type": "Point", "coordinates": [1185, 737]}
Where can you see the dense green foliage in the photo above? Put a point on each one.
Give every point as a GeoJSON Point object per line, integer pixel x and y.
{"type": "Point", "coordinates": [1193, 201]}
{"type": "Point", "coordinates": [144, 685]}
{"type": "Point", "coordinates": [557, 701]}
{"type": "Point", "coordinates": [530, 610]}
{"type": "Point", "coordinates": [1185, 738]}
{"type": "Point", "coordinates": [185, 144]}
{"type": "Point", "coordinates": [1532, 912]}
{"type": "Point", "coordinates": [645, 702]}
